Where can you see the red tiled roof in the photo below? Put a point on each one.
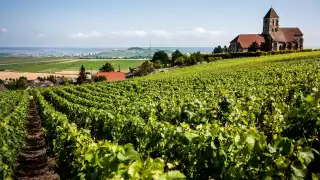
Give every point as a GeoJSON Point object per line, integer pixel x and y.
{"type": "Point", "coordinates": [271, 14]}
{"type": "Point", "coordinates": [113, 76]}
{"type": "Point", "coordinates": [286, 34]}
{"type": "Point", "coordinates": [246, 40]}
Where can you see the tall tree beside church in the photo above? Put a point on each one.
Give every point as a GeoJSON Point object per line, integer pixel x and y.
{"type": "Point", "coordinates": [217, 49]}
{"type": "Point", "coordinates": [175, 55]}
{"type": "Point", "coordinates": [82, 75]}
{"type": "Point", "coordinates": [225, 49]}
{"type": "Point", "coordinates": [254, 47]}
{"type": "Point", "coordinates": [264, 46]}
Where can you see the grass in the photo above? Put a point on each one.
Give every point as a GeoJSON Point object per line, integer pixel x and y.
{"type": "Point", "coordinates": [228, 63]}
{"type": "Point", "coordinates": [68, 65]}
{"type": "Point", "coordinates": [12, 60]}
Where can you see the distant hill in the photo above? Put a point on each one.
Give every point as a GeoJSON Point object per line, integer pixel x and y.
{"type": "Point", "coordinates": [136, 48]}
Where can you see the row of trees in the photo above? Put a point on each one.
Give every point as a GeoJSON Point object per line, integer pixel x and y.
{"type": "Point", "coordinates": [15, 84]}
{"type": "Point", "coordinates": [161, 59]}
{"type": "Point", "coordinates": [220, 49]}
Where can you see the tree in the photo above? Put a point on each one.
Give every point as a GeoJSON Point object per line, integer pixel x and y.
{"type": "Point", "coordinates": [66, 81]}
{"type": "Point", "coordinates": [52, 78]}
{"type": "Point", "coordinates": [254, 47]}
{"type": "Point", "coordinates": [82, 75]}
{"type": "Point", "coordinates": [175, 55]}
{"type": "Point", "coordinates": [41, 78]}
{"type": "Point", "coordinates": [157, 64]}
{"type": "Point", "coordinates": [161, 56]}
{"type": "Point", "coordinates": [195, 58]}
{"type": "Point", "coordinates": [107, 67]}
{"type": "Point", "coordinates": [264, 46]}
{"type": "Point", "coordinates": [145, 68]}
{"type": "Point", "coordinates": [225, 49]}
{"type": "Point", "coordinates": [180, 61]}
{"type": "Point", "coordinates": [217, 49]}
{"type": "Point", "coordinates": [100, 79]}
{"type": "Point", "coordinates": [22, 83]}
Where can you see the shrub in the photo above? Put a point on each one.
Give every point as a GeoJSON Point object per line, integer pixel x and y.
{"type": "Point", "coordinates": [212, 59]}
{"type": "Point", "coordinates": [306, 50]}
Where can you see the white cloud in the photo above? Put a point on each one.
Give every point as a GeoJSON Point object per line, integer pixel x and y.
{"type": "Point", "coordinates": [93, 34]}
{"type": "Point", "coordinates": [201, 32]}
{"type": "Point", "coordinates": [160, 34]}
{"type": "Point", "coordinates": [128, 33]}
{"type": "Point", "coordinates": [196, 32]}
{"type": "Point", "coordinates": [3, 30]}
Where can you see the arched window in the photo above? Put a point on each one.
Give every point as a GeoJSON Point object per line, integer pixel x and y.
{"type": "Point", "coordinates": [271, 22]}
{"type": "Point", "coordinates": [277, 24]}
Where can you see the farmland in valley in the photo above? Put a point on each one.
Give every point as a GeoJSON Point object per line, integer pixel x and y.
{"type": "Point", "coordinates": [47, 65]}
{"type": "Point", "coordinates": [250, 118]}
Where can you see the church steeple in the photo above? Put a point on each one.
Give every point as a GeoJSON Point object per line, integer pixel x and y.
{"type": "Point", "coordinates": [270, 22]}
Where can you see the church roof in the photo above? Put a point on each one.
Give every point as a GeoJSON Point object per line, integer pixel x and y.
{"type": "Point", "coordinates": [271, 14]}
{"type": "Point", "coordinates": [245, 40]}
{"type": "Point", "coordinates": [286, 34]}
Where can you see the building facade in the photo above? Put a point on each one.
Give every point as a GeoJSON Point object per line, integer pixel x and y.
{"type": "Point", "coordinates": [274, 37]}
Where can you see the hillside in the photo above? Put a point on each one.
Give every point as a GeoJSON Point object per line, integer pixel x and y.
{"type": "Point", "coordinates": [251, 118]}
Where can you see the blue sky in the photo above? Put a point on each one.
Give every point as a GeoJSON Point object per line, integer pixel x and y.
{"type": "Point", "coordinates": [124, 23]}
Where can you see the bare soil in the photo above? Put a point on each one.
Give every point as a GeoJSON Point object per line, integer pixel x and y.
{"type": "Point", "coordinates": [33, 76]}
{"type": "Point", "coordinates": [33, 163]}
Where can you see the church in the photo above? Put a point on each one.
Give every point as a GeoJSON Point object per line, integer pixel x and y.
{"type": "Point", "coordinates": [275, 38]}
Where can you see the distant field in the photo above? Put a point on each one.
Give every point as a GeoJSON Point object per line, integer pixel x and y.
{"type": "Point", "coordinates": [12, 60]}
{"type": "Point", "coordinates": [57, 65]}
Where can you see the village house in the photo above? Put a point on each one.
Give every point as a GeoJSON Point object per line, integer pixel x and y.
{"type": "Point", "coordinates": [275, 37]}
{"type": "Point", "coordinates": [2, 87]}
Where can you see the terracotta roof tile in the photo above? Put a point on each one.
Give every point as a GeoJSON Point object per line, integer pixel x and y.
{"type": "Point", "coordinates": [113, 76]}
{"type": "Point", "coordinates": [246, 40]}
{"type": "Point", "coordinates": [271, 14]}
{"type": "Point", "coordinates": [286, 34]}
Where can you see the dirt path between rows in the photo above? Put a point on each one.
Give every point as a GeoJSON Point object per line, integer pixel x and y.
{"type": "Point", "coordinates": [33, 161]}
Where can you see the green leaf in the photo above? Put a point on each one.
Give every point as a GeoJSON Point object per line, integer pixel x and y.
{"type": "Point", "coordinates": [285, 147]}
{"type": "Point", "coordinates": [307, 155]}
{"type": "Point", "coordinates": [282, 162]}
{"type": "Point", "coordinates": [315, 176]}
{"type": "Point", "coordinates": [175, 175]}
{"type": "Point", "coordinates": [88, 157]}
{"type": "Point", "coordinates": [237, 139]}
{"type": "Point", "coordinates": [190, 135]}
{"type": "Point", "coordinates": [309, 98]}
{"type": "Point", "coordinates": [298, 171]}
{"type": "Point", "coordinates": [250, 141]}
{"type": "Point", "coordinates": [213, 146]}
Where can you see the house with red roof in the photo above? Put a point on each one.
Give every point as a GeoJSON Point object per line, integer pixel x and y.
{"type": "Point", "coordinates": [275, 38]}
{"type": "Point", "coordinates": [113, 76]}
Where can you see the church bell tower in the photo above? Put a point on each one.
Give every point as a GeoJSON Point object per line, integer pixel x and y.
{"type": "Point", "coordinates": [270, 22]}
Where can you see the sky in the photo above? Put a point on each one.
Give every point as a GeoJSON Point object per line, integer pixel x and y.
{"type": "Point", "coordinates": [164, 23]}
